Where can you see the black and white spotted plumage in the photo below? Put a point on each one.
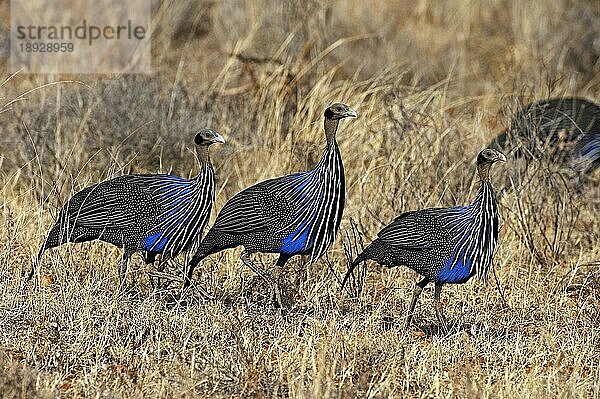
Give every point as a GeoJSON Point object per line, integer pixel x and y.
{"type": "Point", "coordinates": [563, 130]}
{"type": "Point", "coordinates": [154, 213]}
{"type": "Point", "coordinates": [444, 245]}
{"type": "Point", "coordinates": [297, 214]}
{"type": "Point", "coordinates": [435, 242]}
{"type": "Point", "coordinates": [303, 209]}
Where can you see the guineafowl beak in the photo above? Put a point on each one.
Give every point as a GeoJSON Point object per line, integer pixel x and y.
{"type": "Point", "coordinates": [351, 113]}
{"type": "Point", "coordinates": [501, 157]}
{"type": "Point", "coordinates": [219, 139]}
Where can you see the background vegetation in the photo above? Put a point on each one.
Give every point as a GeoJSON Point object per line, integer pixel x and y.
{"type": "Point", "coordinates": [433, 82]}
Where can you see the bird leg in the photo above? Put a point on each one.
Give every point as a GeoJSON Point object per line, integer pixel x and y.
{"type": "Point", "coordinates": [160, 284]}
{"type": "Point", "coordinates": [156, 278]}
{"type": "Point", "coordinates": [439, 312]}
{"type": "Point", "coordinates": [150, 258]}
{"type": "Point", "coordinates": [123, 269]}
{"type": "Point", "coordinates": [261, 273]}
{"type": "Point", "coordinates": [416, 292]}
{"type": "Point", "coordinates": [188, 271]}
{"type": "Point", "coordinates": [281, 262]}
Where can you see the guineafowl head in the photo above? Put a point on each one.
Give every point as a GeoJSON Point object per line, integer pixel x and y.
{"type": "Point", "coordinates": [486, 159]}
{"type": "Point", "coordinates": [333, 114]}
{"type": "Point", "coordinates": [206, 137]}
{"type": "Point", "coordinates": [339, 111]}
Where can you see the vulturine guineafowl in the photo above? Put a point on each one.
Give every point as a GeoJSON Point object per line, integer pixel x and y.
{"type": "Point", "coordinates": [444, 245]}
{"type": "Point", "coordinates": [564, 130]}
{"type": "Point", "coordinates": [155, 213]}
{"type": "Point", "coordinates": [297, 214]}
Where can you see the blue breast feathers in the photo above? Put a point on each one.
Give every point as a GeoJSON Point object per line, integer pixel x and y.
{"type": "Point", "coordinates": [297, 242]}
{"type": "Point", "coordinates": [154, 242]}
{"type": "Point", "coordinates": [455, 272]}
{"type": "Point", "coordinates": [174, 194]}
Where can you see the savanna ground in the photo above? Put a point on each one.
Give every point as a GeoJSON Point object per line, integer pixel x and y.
{"type": "Point", "coordinates": [432, 82]}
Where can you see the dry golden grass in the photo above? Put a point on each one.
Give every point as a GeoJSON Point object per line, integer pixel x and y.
{"type": "Point", "coordinates": [432, 82]}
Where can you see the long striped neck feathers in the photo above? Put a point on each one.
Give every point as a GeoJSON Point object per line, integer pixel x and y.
{"type": "Point", "coordinates": [203, 160]}
{"type": "Point", "coordinates": [474, 229]}
{"type": "Point", "coordinates": [324, 195]}
{"type": "Point", "coordinates": [485, 201]}
{"type": "Point", "coordinates": [185, 209]}
{"type": "Point", "coordinates": [331, 159]}
{"type": "Point", "coordinates": [479, 238]}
